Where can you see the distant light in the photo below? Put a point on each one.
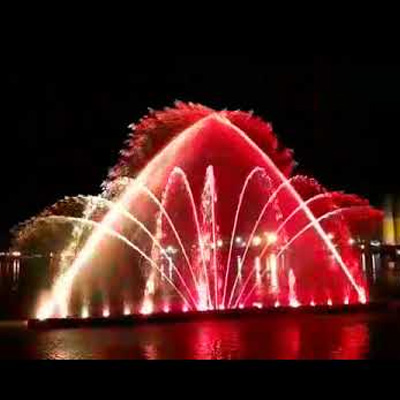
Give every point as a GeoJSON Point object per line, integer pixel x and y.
{"type": "Point", "coordinates": [398, 252]}
{"type": "Point", "coordinates": [351, 241]}
{"type": "Point", "coordinates": [222, 307]}
{"type": "Point", "coordinates": [346, 300]}
{"type": "Point", "coordinates": [271, 237]}
{"type": "Point", "coordinates": [127, 310]}
{"type": "Point", "coordinates": [166, 309]}
{"type": "Point", "coordinates": [329, 302]}
{"type": "Point", "coordinates": [257, 305]}
{"type": "Point", "coordinates": [238, 240]}
{"type": "Point", "coordinates": [312, 303]}
{"type": "Point", "coordinates": [257, 240]}
{"type": "Point", "coordinates": [220, 243]}
{"type": "Point", "coordinates": [16, 253]}
{"type": "Point", "coordinates": [362, 246]}
{"type": "Point", "coordinates": [106, 313]}
{"type": "Point", "coordinates": [241, 306]}
{"type": "Point", "coordinates": [277, 304]}
{"type": "Point", "coordinates": [331, 236]}
{"type": "Point", "coordinates": [185, 308]}
{"type": "Point", "coordinates": [375, 243]}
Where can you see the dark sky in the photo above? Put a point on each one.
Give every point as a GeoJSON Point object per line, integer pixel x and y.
{"type": "Point", "coordinates": [63, 123]}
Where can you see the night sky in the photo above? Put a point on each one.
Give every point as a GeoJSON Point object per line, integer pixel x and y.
{"type": "Point", "coordinates": [63, 123]}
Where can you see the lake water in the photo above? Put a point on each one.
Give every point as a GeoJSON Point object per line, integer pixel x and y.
{"type": "Point", "coordinates": [350, 336]}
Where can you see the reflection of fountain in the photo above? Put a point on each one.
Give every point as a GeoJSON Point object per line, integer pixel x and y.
{"type": "Point", "coordinates": [211, 244]}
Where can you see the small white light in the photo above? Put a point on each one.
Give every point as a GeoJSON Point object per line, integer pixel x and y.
{"type": "Point", "coordinates": [271, 237]}
{"type": "Point", "coordinates": [220, 243]}
{"type": "Point", "coordinates": [257, 240]}
{"type": "Point", "coordinates": [166, 309]}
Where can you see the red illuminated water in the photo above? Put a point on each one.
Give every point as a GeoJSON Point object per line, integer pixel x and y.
{"type": "Point", "coordinates": [355, 336]}
{"type": "Point", "coordinates": [218, 220]}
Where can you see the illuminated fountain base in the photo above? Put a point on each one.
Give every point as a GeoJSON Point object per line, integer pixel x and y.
{"type": "Point", "coordinates": [134, 319]}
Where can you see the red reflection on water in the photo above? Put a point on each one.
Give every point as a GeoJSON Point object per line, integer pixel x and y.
{"type": "Point", "coordinates": [354, 342]}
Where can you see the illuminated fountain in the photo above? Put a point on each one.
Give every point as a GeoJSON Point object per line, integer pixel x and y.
{"type": "Point", "coordinates": [203, 213]}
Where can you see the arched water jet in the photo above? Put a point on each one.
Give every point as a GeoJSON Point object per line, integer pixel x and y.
{"type": "Point", "coordinates": [308, 212]}
{"type": "Point", "coordinates": [181, 173]}
{"type": "Point", "coordinates": [299, 208]}
{"type": "Point", "coordinates": [238, 208]}
{"type": "Point", "coordinates": [67, 279]}
{"type": "Point", "coordinates": [260, 217]}
{"type": "Point", "coordinates": [241, 140]}
{"type": "Point", "coordinates": [294, 238]}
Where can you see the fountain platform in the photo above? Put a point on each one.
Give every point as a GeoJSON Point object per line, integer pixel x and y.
{"type": "Point", "coordinates": [175, 317]}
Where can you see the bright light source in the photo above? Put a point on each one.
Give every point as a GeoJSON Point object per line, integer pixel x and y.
{"type": "Point", "coordinates": [351, 241]}
{"type": "Point", "coordinates": [238, 239]}
{"type": "Point", "coordinates": [362, 247]}
{"type": "Point", "coordinates": [220, 243]}
{"type": "Point", "coordinates": [147, 307]}
{"type": "Point", "coordinates": [277, 304]}
{"type": "Point", "coordinates": [15, 253]}
{"type": "Point", "coordinates": [329, 302]}
{"type": "Point", "coordinates": [85, 313]}
{"type": "Point", "coordinates": [171, 250]}
{"type": "Point", "coordinates": [346, 300]}
{"type": "Point", "coordinates": [375, 243]}
{"type": "Point", "coordinates": [331, 236]}
{"type": "Point", "coordinates": [312, 303]}
{"type": "Point", "coordinates": [166, 309]}
{"type": "Point", "coordinates": [362, 297]}
{"type": "Point", "coordinates": [241, 306]}
{"type": "Point", "coordinates": [271, 237]}
{"type": "Point", "coordinates": [294, 303]}
{"type": "Point", "coordinates": [257, 305]}
{"type": "Point", "coordinates": [127, 310]}
{"type": "Point", "coordinates": [106, 313]}
{"type": "Point", "coordinates": [257, 240]}
{"type": "Point", "coordinates": [185, 308]}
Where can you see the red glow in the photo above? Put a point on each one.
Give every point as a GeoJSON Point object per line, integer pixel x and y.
{"type": "Point", "coordinates": [206, 179]}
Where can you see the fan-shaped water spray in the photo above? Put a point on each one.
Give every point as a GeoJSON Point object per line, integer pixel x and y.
{"type": "Point", "coordinates": [211, 219]}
